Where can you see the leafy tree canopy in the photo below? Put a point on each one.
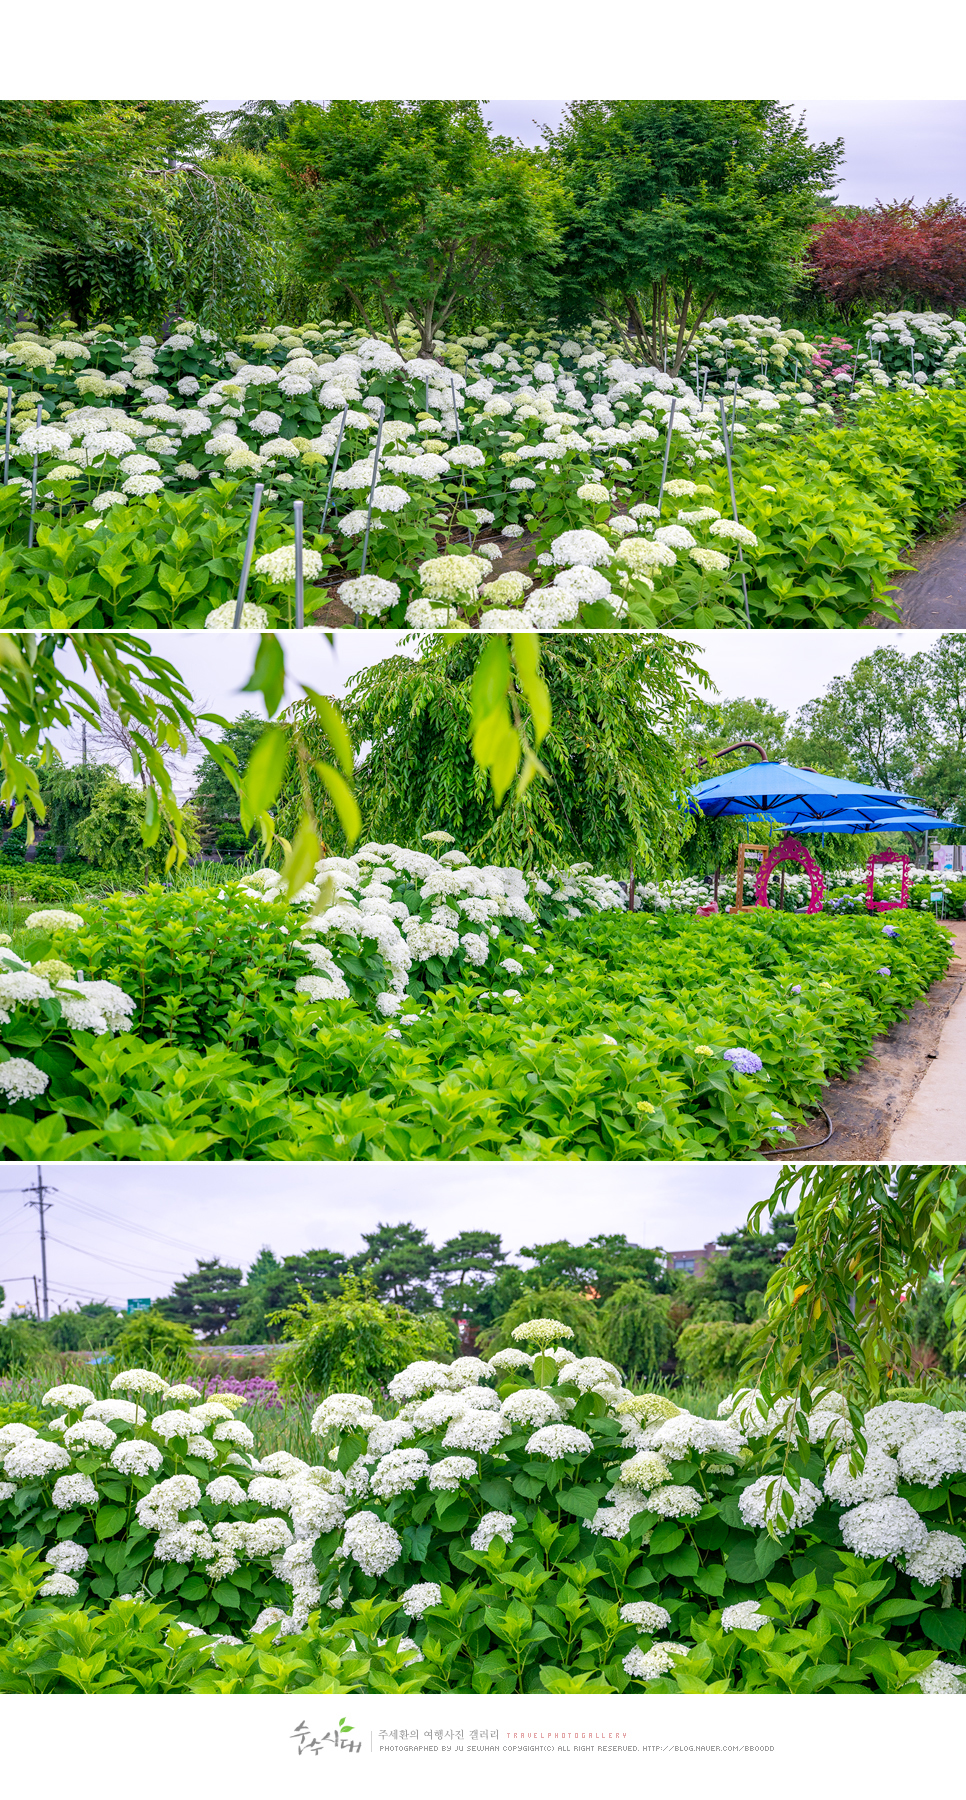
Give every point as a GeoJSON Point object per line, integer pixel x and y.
{"type": "Point", "coordinates": [615, 782]}
{"type": "Point", "coordinates": [207, 1300]}
{"type": "Point", "coordinates": [411, 207]}
{"type": "Point", "coordinates": [677, 209]}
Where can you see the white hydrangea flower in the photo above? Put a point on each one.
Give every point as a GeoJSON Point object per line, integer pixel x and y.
{"type": "Point", "coordinates": [89, 1432]}
{"type": "Point", "coordinates": [531, 1406]}
{"type": "Point", "coordinates": [541, 1331]}
{"type": "Point", "coordinates": [446, 1475]}
{"type": "Point", "coordinates": [760, 1504]}
{"type": "Point", "coordinates": [388, 1434]}
{"type": "Point", "coordinates": [139, 1381]}
{"type": "Point", "coordinates": [254, 618]}
{"type": "Point", "coordinates": [646, 1615]}
{"type": "Point", "coordinates": [476, 1431]}
{"type": "Point", "coordinates": [53, 918]}
{"type": "Point", "coordinates": [342, 1412]}
{"type": "Point", "coordinates": [931, 1456]}
{"type": "Point", "coordinates": [941, 1558]}
{"type": "Point", "coordinates": [369, 594]}
{"type": "Point", "coordinates": [370, 1543]}
{"type": "Point", "coordinates": [71, 1491]}
{"type": "Point", "coordinates": [648, 1665]}
{"type": "Point", "coordinates": [585, 547]}
{"type": "Point", "coordinates": [60, 1587]}
{"type": "Point", "coordinates": [897, 1422]}
{"type": "Point", "coordinates": [743, 1617]}
{"type": "Point", "coordinates": [493, 1524]}
{"type": "Point", "coordinates": [675, 1502]}
{"type": "Point", "coordinates": [709, 1437]}
{"type": "Point", "coordinates": [398, 1472]}
{"type": "Point", "coordinates": [21, 1079]}
{"type": "Point", "coordinates": [878, 1478]}
{"type": "Point", "coordinates": [941, 1678]}
{"type": "Point", "coordinates": [226, 1491]}
{"type": "Point", "coordinates": [559, 1440]}
{"type": "Point", "coordinates": [33, 1459]}
{"type": "Point", "coordinates": [416, 1599]}
{"type": "Point", "coordinates": [109, 1410]}
{"type": "Point", "coordinates": [888, 1527]}
{"type": "Point", "coordinates": [646, 1471]}
{"type": "Point", "coordinates": [66, 1556]}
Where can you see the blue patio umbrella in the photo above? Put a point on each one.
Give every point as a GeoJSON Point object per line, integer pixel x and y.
{"type": "Point", "coordinates": [910, 820]}
{"type": "Point", "coordinates": [779, 794]}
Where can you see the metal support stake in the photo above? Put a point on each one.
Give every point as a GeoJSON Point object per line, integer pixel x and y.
{"type": "Point", "coordinates": [33, 484]}
{"type": "Point", "coordinates": [335, 465]}
{"type": "Point", "coordinates": [734, 504]}
{"type": "Point", "coordinates": [6, 441]}
{"type": "Point", "coordinates": [299, 581]}
{"type": "Point", "coordinates": [247, 562]}
{"type": "Point", "coordinates": [734, 410]}
{"type": "Point", "coordinates": [667, 452]}
{"type": "Point", "coordinates": [372, 488]}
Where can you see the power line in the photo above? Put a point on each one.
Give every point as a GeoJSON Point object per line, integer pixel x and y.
{"type": "Point", "coordinates": [100, 1212]}
{"type": "Point", "coordinates": [128, 1268]}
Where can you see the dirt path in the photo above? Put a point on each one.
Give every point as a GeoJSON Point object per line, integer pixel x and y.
{"type": "Point", "coordinates": [933, 595]}
{"type": "Point", "coordinates": [898, 1106]}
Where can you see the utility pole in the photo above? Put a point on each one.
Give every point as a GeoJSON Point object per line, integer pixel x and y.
{"type": "Point", "coordinates": [84, 742]}
{"type": "Point", "coordinates": [36, 1299]}
{"type": "Point", "coordinates": [42, 1206]}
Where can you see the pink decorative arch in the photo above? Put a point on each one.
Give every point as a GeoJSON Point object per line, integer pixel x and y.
{"type": "Point", "coordinates": [791, 849]}
{"type": "Point", "coordinates": [886, 856]}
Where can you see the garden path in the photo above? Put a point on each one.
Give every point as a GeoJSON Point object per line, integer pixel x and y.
{"type": "Point", "coordinates": [933, 1126]}
{"type": "Point", "coordinates": [932, 596]}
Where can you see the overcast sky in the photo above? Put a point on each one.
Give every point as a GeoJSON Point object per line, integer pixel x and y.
{"type": "Point", "coordinates": [119, 1231]}
{"type": "Point", "coordinates": [894, 149]}
{"type": "Point", "coordinates": [784, 667]}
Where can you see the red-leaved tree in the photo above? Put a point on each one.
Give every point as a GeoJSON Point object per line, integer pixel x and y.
{"type": "Point", "coordinates": [898, 255]}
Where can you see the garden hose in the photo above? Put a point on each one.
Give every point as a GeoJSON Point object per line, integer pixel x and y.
{"type": "Point", "coordinates": [816, 1146]}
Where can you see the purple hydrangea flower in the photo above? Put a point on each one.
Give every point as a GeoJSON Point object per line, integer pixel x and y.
{"type": "Point", "coordinates": [883, 971]}
{"type": "Point", "coordinates": [889, 931]}
{"type": "Point", "coordinates": [797, 989]}
{"type": "Point", "coordinates": [745, 1061]}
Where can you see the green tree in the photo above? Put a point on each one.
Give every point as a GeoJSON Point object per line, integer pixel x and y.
{"type": "Point", "coordinates": [255, 124]}
{"type": "Point", "coordinates": [318, 1273]}
{"type": "Point", "coordinates": [714, 726]}
{"type": "Point", "coordinates": [711, 1351]}
{"type": "Point", "coordinates": [215, 797]}
{"type": "Point", "coordinates": [355, 1340]}
{"type": "Point", "coordinates": [596, 1268]}
{"type": "Point", "coordinates": [68, 792]}
{"type": "Point", "coordinates": [207, 1300]}
{"type": "Point", "coordinates": [412, 208]}
{"type": "Point", "coordinates": [868, 1237]}
{"type": "Point", "coordinates": [870, 725]}
{"type": "Point", "coordinates": [466, 1267]}
{"type": "Point", "coordinates": [547, 1303]}
{"type": "Point", "coordinates": [615, 780]}
{"type": "Point", "coordinates": [635, 1331]}
{"type": "Point", "coordinates": [681, 208]}
{"type": "Point", "coordinates": [150, 1341]}
{"type": "Point", "coordinates": [747, 1267]}
{"type": "Point", "coordinates": [91, 1327]}
{"type": "Point", "coordinates": [400, 1262]}
{"type": "Point", "coordinates": [114, 207]}
{"type": "Point", "coordinates": [112, 835]}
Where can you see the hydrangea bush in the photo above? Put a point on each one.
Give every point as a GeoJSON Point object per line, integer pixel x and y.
{"type": "Point", "coordinates": [155, 446]}
{"type": "Point", "coordinates": [523, 1524]}
{"type": "Point", "coordinates": [378, 1033]}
